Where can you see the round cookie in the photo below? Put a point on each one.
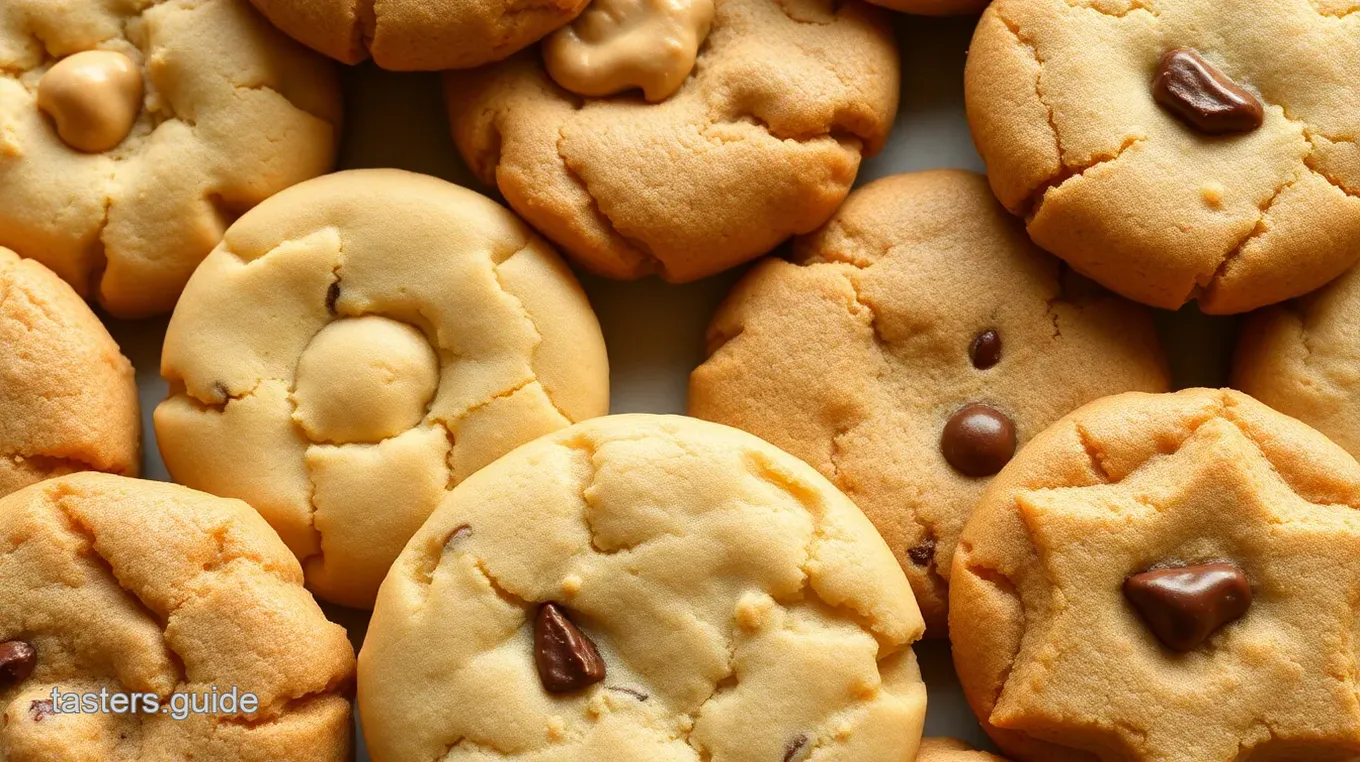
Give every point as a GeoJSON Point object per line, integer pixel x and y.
{"type": "Point", "coordinates": [1177, 149]}
{"type": "Point", "coordinates": [909, 348]}
{"type": "Point", "coordinates": [1169, 578]}
{"type": "Point", "coordinates": [763, 141]}
{"type": "Point", "coordinates": [123, 587]}
{"type": "Point", "coordinates": [68, 396]}
{"type": "Point", "coordinates": [359, 345]}
{"type": "Point", "coordinates": [133, 133]}
{"type": "Point", "coordinates": [419, 35]}
{"type": "Point", "coordinates": [687, 592]}
{"type": "Point", "coordinates": [1301, 358]}
{"type": "Point", "coordinates": [952, 750]}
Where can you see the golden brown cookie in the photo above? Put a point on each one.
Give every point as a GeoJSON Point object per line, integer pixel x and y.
{"type": "Point", "coordinates": [68, 396]}
{"type": "Point", "coordinates": [763, 141]}
{"type": "Point", "coordinates": [686, 592]}
{"type": "Point", "coordinates": [356, 347]}
{"type": "Point", "coordinates": [1165, 578]}
{"type": "Point", "coordinates": [171, 599]}
{"type": "Point", "coordinates": [910, 347]}
{"type": "Point", "coordinates": [133, 133]}
{"type": "Point", "coordinates": [1177, 149]}
{"type": "Point", "coordinates": [952, 750]}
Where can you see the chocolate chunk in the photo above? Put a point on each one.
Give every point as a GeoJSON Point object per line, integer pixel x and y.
{"type": "Point", "coordinates": [1203, 97]}
{"type": "Point", "coordinates": [986, 350]}
{"type": "Point", "coordinates": [17, 660]}
{"type": "Point", "coordinates": [332, 296]}
{"type": "Point", "coordinates": [1184, 606]}
{"type": "Point", "coordinates": [978, 440]}
{"type": "Point", "coordinates": [797, 750]}
{"type": "Point", "coordinates": [923, 552]}
{"type": "Point", "coordinates": [41, 709]}
{"type": "Point", "coordinates": [566, 657]}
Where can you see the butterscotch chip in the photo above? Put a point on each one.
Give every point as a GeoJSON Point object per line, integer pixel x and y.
{"type": "Point", "coordinates": [360, 344]}
{"type": "Point", "coordinates": [123, 586]}
{"type": "Point", "coordinates": [133, 133]}
{"type": "Point", "coordinates": [735, 606]}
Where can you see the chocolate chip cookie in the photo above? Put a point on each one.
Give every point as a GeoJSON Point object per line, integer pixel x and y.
{"type": "Point", "coordinates": [909, 348]}
{"type": "Point", "coordinates": [359, 345]}
{"type": "Point", "coordinates": [133, 133]}
{"type": "Point", "coordinates": [1301, 358]}
{"type": "Point", "coordinates": [1165, 577]}
{"type": "Point", "coordinates": [704, 171]}
{"type": "Point", "coordinates": [111, 586]}
{"type": "Point", "coordinates": [951, 750]}
{"type": "Point", "coordinates": [686, 592]}
{"type": "Point", "coordinates": [1177, 149]}
{"type": "Point", "coordinates": [68, 396]}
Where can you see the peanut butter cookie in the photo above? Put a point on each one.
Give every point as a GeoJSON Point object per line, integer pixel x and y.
{"type": "Point", "coordinates": [115, 590]}
{"type": "Point", "coordinates": [359, 345]}
{"type": "Point", "coordinates": [1177, 149]}
{"type": "Point", "coordinates": [132, 133]}
{"type": "Point", "coordinates": [687, 592]}
{"type": "Point", "coordinates": [910, 347]}
{"type": "Point", "coordinates": [1165, 578]}
{"type": "Point", "coordinates": [762, 141]}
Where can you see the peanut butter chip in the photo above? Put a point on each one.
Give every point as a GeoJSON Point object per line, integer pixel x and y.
{"type": "Point", "coordinates": [94, 97]}
{"type": "Point", "coordinates": [619, 45]}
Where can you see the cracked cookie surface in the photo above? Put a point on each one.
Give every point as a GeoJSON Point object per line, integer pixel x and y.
{"type": "Point", "coordinates": [359, 345]}
{"type": "Point", "coordinates": [744, 610]}
{"type": "Point", "coordinates": [69, 396]}
{"type": "Point", "coordinates": [763, 141]}
{"type": "Point", "coordinates": [232, 112]}
{"type": "Point", "coordinates": [857, 354]}
{"type": "Point", "coordinates": [132, 586]}
{"type": "Point", "coordinates": [420, 35]}
{"type": "Point", "coordinates": [1053, 651]}
{"type": "Point", "coordinates": [1061, 101]}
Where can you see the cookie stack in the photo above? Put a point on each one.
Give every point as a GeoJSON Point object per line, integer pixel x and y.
{"type": "Point", "coordinates": [936, 414]}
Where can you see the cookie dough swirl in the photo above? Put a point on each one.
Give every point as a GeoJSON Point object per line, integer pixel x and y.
{"type": "Point", "coordinates": [109, 583]}
{"type": "Point", "coordinates": [359, 345]}
{"type": "Point", "coordinates": [133, 133]}
{"type": "Point", "coordinates": [687, 592]}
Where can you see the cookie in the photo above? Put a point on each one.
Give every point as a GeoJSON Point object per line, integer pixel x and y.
{"type": "Point", "coordinates": [133, 133]}
{"type": "Point", "coordinates": [1165, 577]}
{"type": "Point", "coordinates": [1300, 358]}
{"type": "Point", "coordinates": [909, 348]}
{"type": "Point", "coordinates": [687, 592]}
{"type": "Point", "coordinates": [172, 600]}
{"type": "Point", "coordinates": [761, 142]}
{"type": "Point", "coordinates": [951, 750]}
{"type": "Point", "coordinates": [1177, 149]}
{"type": "Point", "coordinates": [359, 345]}
{"type": "Point", "coordinates": [68, 395]}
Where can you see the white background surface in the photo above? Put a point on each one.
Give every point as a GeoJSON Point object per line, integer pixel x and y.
{"type": "Point", "coordinates": [655, 331]}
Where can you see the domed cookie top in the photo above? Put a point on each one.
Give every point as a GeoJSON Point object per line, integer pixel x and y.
{"type": "Point", "coordinates": [1177, 149]}
{"type": "Point", "coordinates": [951, 750]}
{"type": "Point", "coordinates": [1303, 359]}
{"type": "Point", "coordinates": [910, 347]}
{"type": "Point", "coordinates": [132, 134]}
{"type": "Point", "coordinates": [68, 398]}
{"type": "Point", "coordinates": [114, 585]}
{"type": "Point", "coordinates": [763, 140]}
{"type": "Point", "coordinates": [356, 347]}
{"type": "Point", "coordinates": [686, 591]}
{"type": "Point", "coordinates": [1166, 578]}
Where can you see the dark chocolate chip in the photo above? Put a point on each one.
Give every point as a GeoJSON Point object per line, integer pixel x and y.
{"type": "Point", "coordinates": [1203, 97]}
{"type": "Point", "coordinates": [1184, 606]}
{"type": "Point", "coordinates": [978, 440]}
{"type": "Point", "coordinates": [634, 692]}
{"type": "Point", "coordinates": [794, 752]}
{"type": "Point", "coordinates": [41, 709]}
{"type": "Point", "coordinates": [923, 552]}
{"type": "Point", "coordinates": [17, 660]}
{"type": "Point", "coordinates": [567, 659]}
{"type": "Point", "coordinates": [986, 350]}
{"type": "Point", "coordinates": [332, 296]}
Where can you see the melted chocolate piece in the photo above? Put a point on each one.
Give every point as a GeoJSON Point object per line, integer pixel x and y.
{"type": "Point", "coordinates": [567, 659]}
{"type": "Point", "coordinates": [923, 552]}
{"type": "Point", "coordinates": [1203, 97]}
{"type": "Point", "coordinates": [1185, 606]}
{"type": "Point", "coordinates": [795, 751]}
{"type": "Point", "coordinates": [17, 660]}
{"type": "Point", "coordinates": [978, 440]}
{"type": "Point", "coordinates": [985, 351]}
